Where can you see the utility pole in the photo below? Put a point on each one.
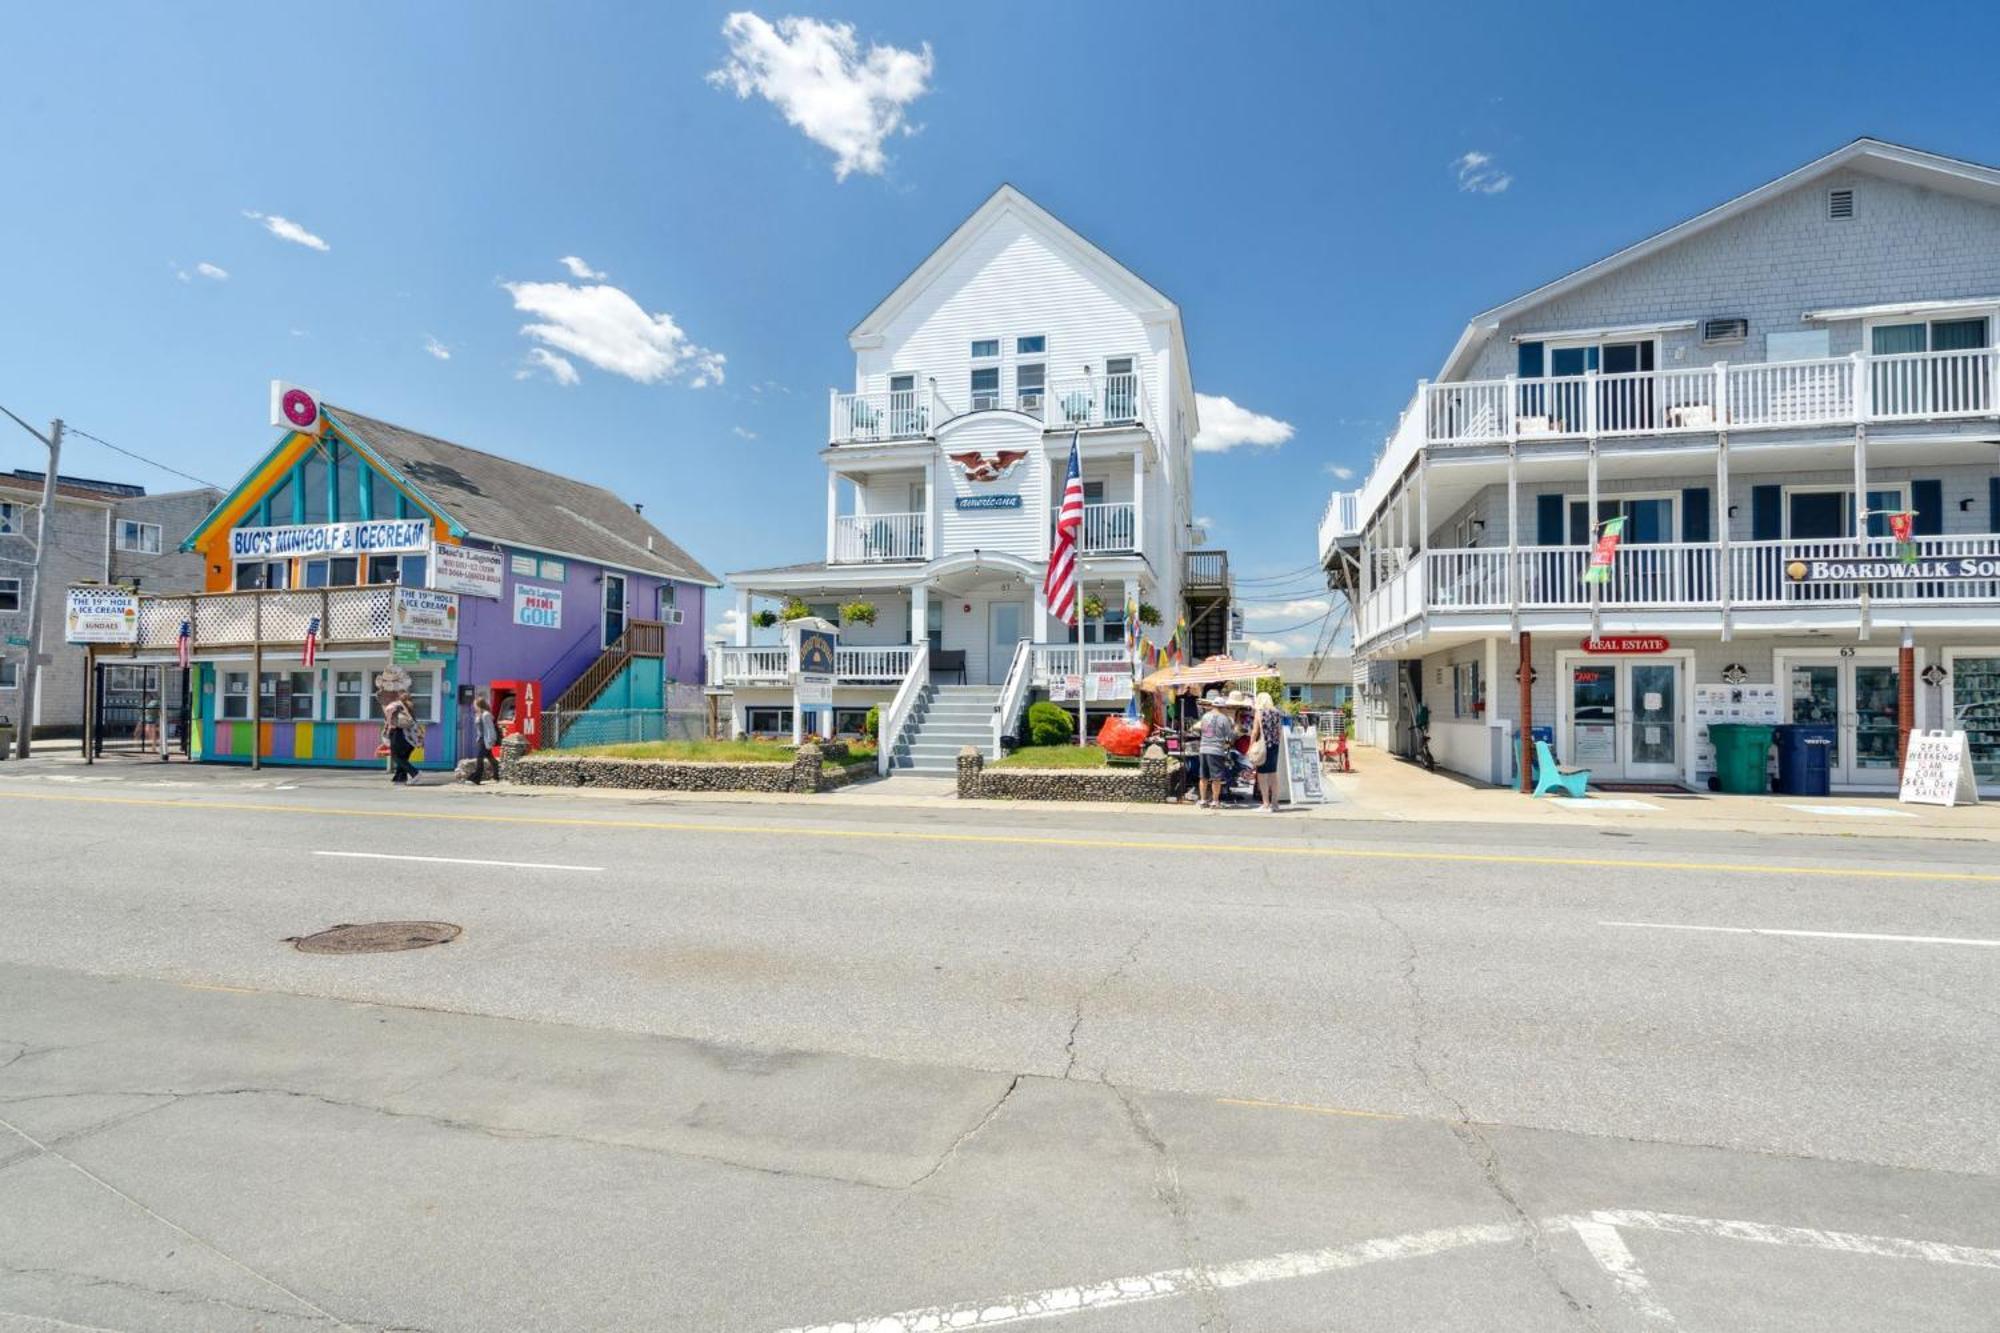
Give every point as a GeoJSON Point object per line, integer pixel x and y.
{"type": "Point", "coordinates": [53, 443]}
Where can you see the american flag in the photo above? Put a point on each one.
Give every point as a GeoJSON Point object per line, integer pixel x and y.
{"type": "Point", "coordinates": [312, 641]}
{"type": "Point", "coordinates": [1059, 587]}
{"type": "Point", "coordinates": [184, 645]}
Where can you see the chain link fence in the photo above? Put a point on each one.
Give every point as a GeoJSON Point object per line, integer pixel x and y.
{"type": "Point", "coordinates": [582, 727]}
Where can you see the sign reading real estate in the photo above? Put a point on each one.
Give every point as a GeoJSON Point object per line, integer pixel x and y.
{"type": "Point", "coordinates": [464, 569]}
{"type": "Point", "coordinates": [383, 536]}
{"type": "Point", "coordinates": [1951, 569]}
{"type": "Point", "coordinates": [1936, 771]}
{"type": "Point", "coordinates": [425, 613]}
{"type": "Point", "coordinates": [537, 607]}
{"type": "Point", "coordinates": [101, 615]}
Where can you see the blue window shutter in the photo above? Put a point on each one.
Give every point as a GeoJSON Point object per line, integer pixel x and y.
{"type": "Point", "coordinates": [1927, 498]}
{"type": "Point", "coordinates": [1548, 520]}
{"type": "Point", "coordinates": [1695, 525]}
{"type": "Point", "coordinates": [1528, 361]}
{"type": "Point", "coordinates": [1767, 513]}
{"type": "Point", "coordinates": [1993, 504]}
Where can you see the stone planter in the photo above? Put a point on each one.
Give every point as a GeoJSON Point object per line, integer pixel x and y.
{"type": "Point", "coordinates": [552, 768]}
{"type": "Point", "coordinates": [1146, 784]}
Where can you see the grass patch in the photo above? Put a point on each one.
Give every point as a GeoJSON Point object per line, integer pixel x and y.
{"type": "Point", "coordinates": [698, 752]}
{"type": "Point", "coordinates": [1053, 756]}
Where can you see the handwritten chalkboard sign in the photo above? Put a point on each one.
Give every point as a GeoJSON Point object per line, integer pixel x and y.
{"type": "Point", "coordinates": [1302, 781]}
{"type": "Point", "coordinates": [1936, 771]}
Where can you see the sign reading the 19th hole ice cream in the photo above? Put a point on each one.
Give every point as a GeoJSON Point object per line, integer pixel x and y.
{"type": "Point", "coordinates": [1941, 569]}
{"type": "Point", "coordinates": [424, 613]}
{"type": "Point", "coordinates": [467, 570]}
{"type": "Point", "coordinates": [101, 615]}
{"type": "Point", "coordinates": [385, 536]}
{"type": "Point", "coordinates": [536, 607]}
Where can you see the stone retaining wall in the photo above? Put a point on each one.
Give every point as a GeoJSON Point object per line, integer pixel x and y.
{"type": "Point", "coordinates": [1146, 783]}
{"type": "Point", "coordinates": [552, 768]}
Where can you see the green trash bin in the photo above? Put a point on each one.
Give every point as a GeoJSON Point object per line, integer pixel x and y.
{"type": "Point", "coordinates": [1742, 757]}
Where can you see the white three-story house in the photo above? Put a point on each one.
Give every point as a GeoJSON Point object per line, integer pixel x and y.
{"type": "Point", "coordinates": [944, 467]}
{"type": "Point", "coordinates": [1756, 392]}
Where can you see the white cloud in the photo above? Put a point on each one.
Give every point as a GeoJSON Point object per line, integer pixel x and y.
{"type": "Point", "coordinates": [1270, 647]}
{"type": "Point", "coordinates": [1292, 610]}
{"type": "Point", "coordinates": [742, 434]}
{"type": "Point", "coordinates": [213, 272]}
{"type": "Point", "coordinates": [287, 230]}
{"type": "Point", "coordinates": [725, 628]}
{"type": "Point", "coordinates": [541, 358]}
{"type": "Point", "coordinates": [1204, 522]}
{"type": "Point", "coordinates": [436, 348]}
{"type": "Point", "coordinates": [1224, 425]}
{"type": "Point", "coordinates": [607, 328]}
{"type": "Point", "coordinates": [578, 269]}
{"type": "Point", "coordinates": [816, 74]}
{"type": "Point", "coordinates": [1477, 174]}
{"type": "Point", "coordinates": [1340, 471]}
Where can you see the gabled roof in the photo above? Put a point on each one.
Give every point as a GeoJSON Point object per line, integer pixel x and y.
{"type": "Point", "coordinates": [501, 500]}
{"type": "Point", "coordinates": [1895, 161]}
{"type": "Point", "coordinates": [1005, 202]}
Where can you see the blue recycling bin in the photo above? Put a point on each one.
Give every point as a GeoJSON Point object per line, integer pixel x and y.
{"type": "Point", "coordinates": [1805, 759]}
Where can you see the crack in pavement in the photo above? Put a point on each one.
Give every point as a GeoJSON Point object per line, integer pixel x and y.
{"type": "Point", "coordinates": [177, 1295]}
{"type": "Point", "coordinates": [1091, 992]}
{"type": "Point", "coordinates": [1167, 1188]}
{"type": "Point", "coordinates": [944, 1158]}
{"type": "Point", "coordinates": [1468, 1133]}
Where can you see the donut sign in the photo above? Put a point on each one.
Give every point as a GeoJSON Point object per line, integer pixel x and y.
{"type": "Point", "coordinates": [293, 408]}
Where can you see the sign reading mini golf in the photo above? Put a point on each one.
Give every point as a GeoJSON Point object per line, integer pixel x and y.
{"type": "Point", "coordinates": [538, 608]}
{"type": "Point", "coordinates": [389, 536]}
{"type": "Point", "coordinates": [1949, 569]}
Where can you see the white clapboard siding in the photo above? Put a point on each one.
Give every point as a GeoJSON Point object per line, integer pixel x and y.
{"type": "Point", "coordinates": [1021, 532]}
{"type": "Point", "coordinates": [888, 493]}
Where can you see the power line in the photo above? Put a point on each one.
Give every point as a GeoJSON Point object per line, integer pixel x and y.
{"type": "Point", "coordinates": [118, 449]}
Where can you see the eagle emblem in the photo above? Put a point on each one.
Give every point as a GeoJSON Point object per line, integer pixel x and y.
{"type": "Point", "coordinates": [988, 467]}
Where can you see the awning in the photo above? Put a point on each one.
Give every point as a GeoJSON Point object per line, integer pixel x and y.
{"type": "Point", "coordinates": [1895, 308]}
{"type": "Point", "coordinates": [1607, 333]}
{"type": "Point", "coordinates": [1218, 670]}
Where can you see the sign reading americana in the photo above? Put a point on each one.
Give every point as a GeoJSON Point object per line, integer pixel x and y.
{"type": "Point", "coordinates": [1949, 569]}
{"type": "Point", "coordinates": [989, 502]}
{"type": "Point", "coordinates": [380, 536]}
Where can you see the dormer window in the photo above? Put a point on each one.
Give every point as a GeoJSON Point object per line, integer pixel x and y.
{"type": "Point", "coordinates": [1034, 346]}
{"type": "Point", "coordinates": [985, 349]}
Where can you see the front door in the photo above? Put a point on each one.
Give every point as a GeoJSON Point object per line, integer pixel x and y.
{"type": "Point", "coordinates": [1652, 734]}
{"type": "Point", "coordinates": [1593, 719]}
{"type": "Point", "coordinates": [1856, 697]}
{"type": "Point", "coordinates": [1005, 622]}
{"type": "Point", "coordinates": [1625, 719]}
{"type": "Point", "coordinates": [614, 608]}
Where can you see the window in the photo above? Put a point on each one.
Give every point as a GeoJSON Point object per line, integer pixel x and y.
{"type": "Point", "coordinates": [416, 571]}
{"type": "Point", "coordinates": [934, 624]}
{"type": "Point", "coordinates": [11, 520]}
{"type": "Point", "coordinates": [1038, 345]}
{"type": "Point", "coordinates": [263, 574]}
{"type": "Point", "coordinates": [345, 571]}
{"type": "Point", "coordinates": [1028, 384]}
{"type": "Point", "coordinates": [1649, 519]}
{"type": "Point", "coordinates": [1295, 694]}
{"type": "Point", "coordinates": [1107, 628]}
{"type": "Point", "coordinates": [767, 721]}
{"type": "Point", "coordinates": [1121, 389]}
{"type": "Point", "coordinates": [235, 694]}
{"type": "Point", "coordinates": [382, 569]}
{"type": "Point", "coordinates": [349, 695]}
{"type": "Point", "coordinates": [985, 388]}
{"type": "Point", "coordinates": [141, 537]}
{"type": "Point", "coordinates": [423, 698]}
{"type": "Point", "coordinates": [850, 721]}
{"type": "Point", "coordinates": [10, 675]}
{"type": "Point", "coordinates": [315, 574]}
{"type": "Point", "coordinates": [985, 348]}
{"type": "Point", "coordinates": [1466, 698]}
{"type": "Point", "coordinates": [285, 696]}
{"type": "Point", "coordinates": [10, 594]}
{"type": "Point", "coordinates": [1827, 513]}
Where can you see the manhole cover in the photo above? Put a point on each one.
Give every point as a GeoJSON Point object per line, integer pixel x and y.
{"type": "Point", "coordinates": [376, 937]}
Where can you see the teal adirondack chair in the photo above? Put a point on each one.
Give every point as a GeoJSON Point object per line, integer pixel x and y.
{"type": "Point", "coordinates": [1550, 778]}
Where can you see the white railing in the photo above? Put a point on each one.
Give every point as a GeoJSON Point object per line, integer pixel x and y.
{"type": "Point", "coordinates": [768, 665]}
{"type": "Point", "coordinates": [870, 665]}
{"type": "Point", "coordinates": [1341, 520]}
{"type": "Point", "coordinates": [1053, 661]}
{"type": "Point", "coordinates": [1907, 386]}
{"type": "Point", "coordinates": [1013, 693]}
{"type": "Point", "coordinates": [1082, 402]}
{"type": "Point", "coordinates": [1110, 527]}
{"type": "Point", "coordinates": [903, 414]}
{"type": "Point", "coordinates": [240, 619]}
{"type": "Point", "coordinates": [891, 720]}
{"type": "Point", "coordinates": [1670, 575]}
{"type": "Point", "coordinates": [860, 538]}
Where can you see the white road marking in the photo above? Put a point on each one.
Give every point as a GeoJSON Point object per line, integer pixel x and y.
{"type": "Point", "coordinates": [1616, 1259]}
{"type": "Point", "coordinates": [1855, 811]}
{"type": "Point", "coordinates": [1602, 803]}
{"type": "Point", "coordinates": [1808, 934]}
{"type": "Point", "coordinates": [1598, 1231]}
{"type": "Point", "coordinates": [457, 861]}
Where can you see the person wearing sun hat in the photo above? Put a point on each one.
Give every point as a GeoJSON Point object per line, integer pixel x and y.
{"type": "Point", "coordinates": [1217, 731]}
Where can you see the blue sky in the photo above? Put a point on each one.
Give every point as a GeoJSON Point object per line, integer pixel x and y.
{"type": "Point", "coordinates": [1296, 177]}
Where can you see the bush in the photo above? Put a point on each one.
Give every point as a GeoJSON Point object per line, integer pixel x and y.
{"type": "Point", "coordinates": [872, 724]}
{"type": "Point", "coordinates": [1049, 724]}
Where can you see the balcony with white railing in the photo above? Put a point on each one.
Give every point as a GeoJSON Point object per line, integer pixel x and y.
{"type": "Point", "coordinates": [1053, 661]}
{"type": "Point", "coordinates": [1341, 522]}
{"type": "Point", "coordinates": [874, 538]}
{"type": "Point", "coordinates": [1108, 528]}
{"type": "Point", "coordinates": [1079, 402]}
{"type": "Point", "coordinates": [900, 414]}
{"type": "Point", "coordinates": [771, 664]}
{"type": "Point", "coordinates": [1737, 396]}
{"type": "Point", "coordinates": [1677, 576]}
{"type": "Point", "coordinates": [1090, 401]}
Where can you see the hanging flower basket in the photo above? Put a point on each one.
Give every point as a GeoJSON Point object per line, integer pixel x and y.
{"type": "Point", "coordinates": [857, 613]}
{"type": "Point", "coordinates": [1148, 614]}
{"type": "Point", "coordinates": [1093, 606]}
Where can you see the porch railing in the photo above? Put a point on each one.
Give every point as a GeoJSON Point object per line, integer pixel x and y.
{"type": "Point", "coordinates": [769, 665]}
{"type": "Point", "coordinates": [892, 720]}
{"type": "Point", "coordinates": [900, 414]}
{"type": "Point", "coordinates": [854, 664]}
{"type": "Point", "coordinates": [243, 619]}
{"type": "Point", "coordinates": [1082, 402]}
{"type": "Point", "coordinates": [861, 538]}
{"type": "Point", "coordinates": [1053, 661]}
{"type": "Point", "coordinates": [872, 665]}
{"type": "Point", "coordinates": [1110, 527]}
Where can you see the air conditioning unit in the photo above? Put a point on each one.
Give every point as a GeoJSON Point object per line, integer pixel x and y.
{"type": "Point", "coordinates": [674, 615]}
{"type": "Point", "coordinates": [1730, 329]}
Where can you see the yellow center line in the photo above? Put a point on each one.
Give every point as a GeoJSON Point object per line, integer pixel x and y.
{"type": "Point", "coordinates": [1037, 840]}
{"type": "Point", "coordinates": [1309, 1108]}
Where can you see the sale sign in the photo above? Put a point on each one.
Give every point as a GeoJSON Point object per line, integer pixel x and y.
{"type": "Point", "coordinates": [1605, 551]}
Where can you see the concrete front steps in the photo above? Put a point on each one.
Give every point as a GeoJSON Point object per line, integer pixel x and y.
{"type": "Point", "coordinates": [945, 720]}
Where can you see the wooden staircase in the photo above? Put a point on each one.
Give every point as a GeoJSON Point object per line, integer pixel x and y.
{"type": "Point", "coordinates": [642, 638]}
{"type": "Point", "coordinates": [1205, 601]}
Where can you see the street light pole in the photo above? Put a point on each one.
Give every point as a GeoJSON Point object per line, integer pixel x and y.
{"type": "Point", "coordinates": [53, 443]}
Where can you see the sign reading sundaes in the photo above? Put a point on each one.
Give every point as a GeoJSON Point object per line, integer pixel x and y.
{"type": "Point", "coordinates": [383, 536]}
{"type": "Point", "coordinates": [101, 615]}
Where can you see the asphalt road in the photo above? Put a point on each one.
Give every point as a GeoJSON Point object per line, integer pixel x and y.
{"type": "Point", "coordinates": [756, 1067]}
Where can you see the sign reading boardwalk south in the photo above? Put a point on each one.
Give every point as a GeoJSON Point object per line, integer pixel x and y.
{"type": "Point", "coordinates": [385, 536]}
{"type": "Point", "coordinates": [1948, 569]}
{"type": "Point", "coordinates": [101, 615]}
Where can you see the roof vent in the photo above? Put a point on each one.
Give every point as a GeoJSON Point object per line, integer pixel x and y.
{"type": "Point", "coordinates": [1728, 329]}
{"type": "Point", "coordinates": [1840, 205]}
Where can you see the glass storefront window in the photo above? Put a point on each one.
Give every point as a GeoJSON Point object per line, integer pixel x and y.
{"type": "Point", "coordinates": [235, 694]}
{"type": "Point", "coordinates": [1975, 706]}
{"type": "Point", "coordinates": [348, 689]}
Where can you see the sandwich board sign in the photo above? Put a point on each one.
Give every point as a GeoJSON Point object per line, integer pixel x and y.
{"type": "Point", "coordinates": [1301, 781]}
{"type": "Point", "coordinates": [1936, 771]}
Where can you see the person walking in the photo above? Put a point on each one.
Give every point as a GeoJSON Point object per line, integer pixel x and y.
{"type": "Point", "coordinates": [399, 728]}
{"type": "Point", "coordinates": [485, 740]}
{"type": "Point", "coordinates": [1266, 746]}
{"type": "Point", "coordinates": [1217, 732]}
